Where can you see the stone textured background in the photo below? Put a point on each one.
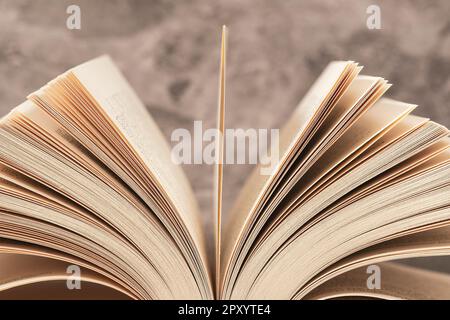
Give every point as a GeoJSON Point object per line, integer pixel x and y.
{"type": "Point", "coordinates": [168, 50]}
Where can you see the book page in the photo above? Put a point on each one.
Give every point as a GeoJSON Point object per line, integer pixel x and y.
{"type": "Point", "coordinates": [57, 290]}
{"type": "Point", "coordinates": [218, 174]}
{"type": "Point", "coordinates": [292, 132]}
{"type": "Point", "coordinates": [430, 240]}
{"type": "Point", "coordinates": [106, 84]}
{"type": "Point", "coordinates": [100, 110]}
{"type": "Point", "coordinates": [397, 282]}
{"type": "Point", "coordinates": [24, 269]}
{"type": "Point", "coordinates": [377, 120]}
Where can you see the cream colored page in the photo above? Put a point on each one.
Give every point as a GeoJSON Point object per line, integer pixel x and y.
{"type": "Point", "coordinates": [8, 246]}
{"type": "Point", "coordinates": [218, 178]}
{"type": "Point", "coordinates": [376, 120]}
{"type": "Point", "coordinates": [431, 240]}
{"type": "Point", "coordinates": [110, 89]}
{"type": "Point", "coordinates": [135, 224]}
{"type": "Point", "coordinates": [424, 241]}
{"type": "Point", "coordinates": [380, 117]}
{"type": "Point", "coordinates": [356, 95]}
{"type": "Point", "coordinates": [20, 269]}
{"type": "Point", "coordinates": [57, 290]}
{"type": "Point", "coordinates": [358, 140]}
{"type": "Point", "coordinates": [397, 282]}
{"type": "Point", "coordinates": [291, 132]}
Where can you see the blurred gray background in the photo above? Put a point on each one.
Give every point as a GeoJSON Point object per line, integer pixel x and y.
{"type": "Point", "coordinates": [169, 51]}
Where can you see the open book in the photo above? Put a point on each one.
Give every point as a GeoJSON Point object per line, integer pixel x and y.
{"type": "Point", "coordinates": [88, 189]}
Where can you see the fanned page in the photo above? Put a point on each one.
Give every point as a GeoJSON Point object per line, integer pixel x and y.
{"type": "Point", "coordinates": [87, 181]}
{"type": "Point", "coordinates": [431, 240]}
{"type": "Point", "coordinates": [400, 282]}
{"type": "Point", "coordinates": [314, 104]}
{"type": "Point", "coordinates": [25, 276]}
{"type": "Point", "coordinates": [100, 176]}
{"type": "Point", "coordinates": [354, 170]}
{"type": "Point", "coordinates": [136, 127]}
